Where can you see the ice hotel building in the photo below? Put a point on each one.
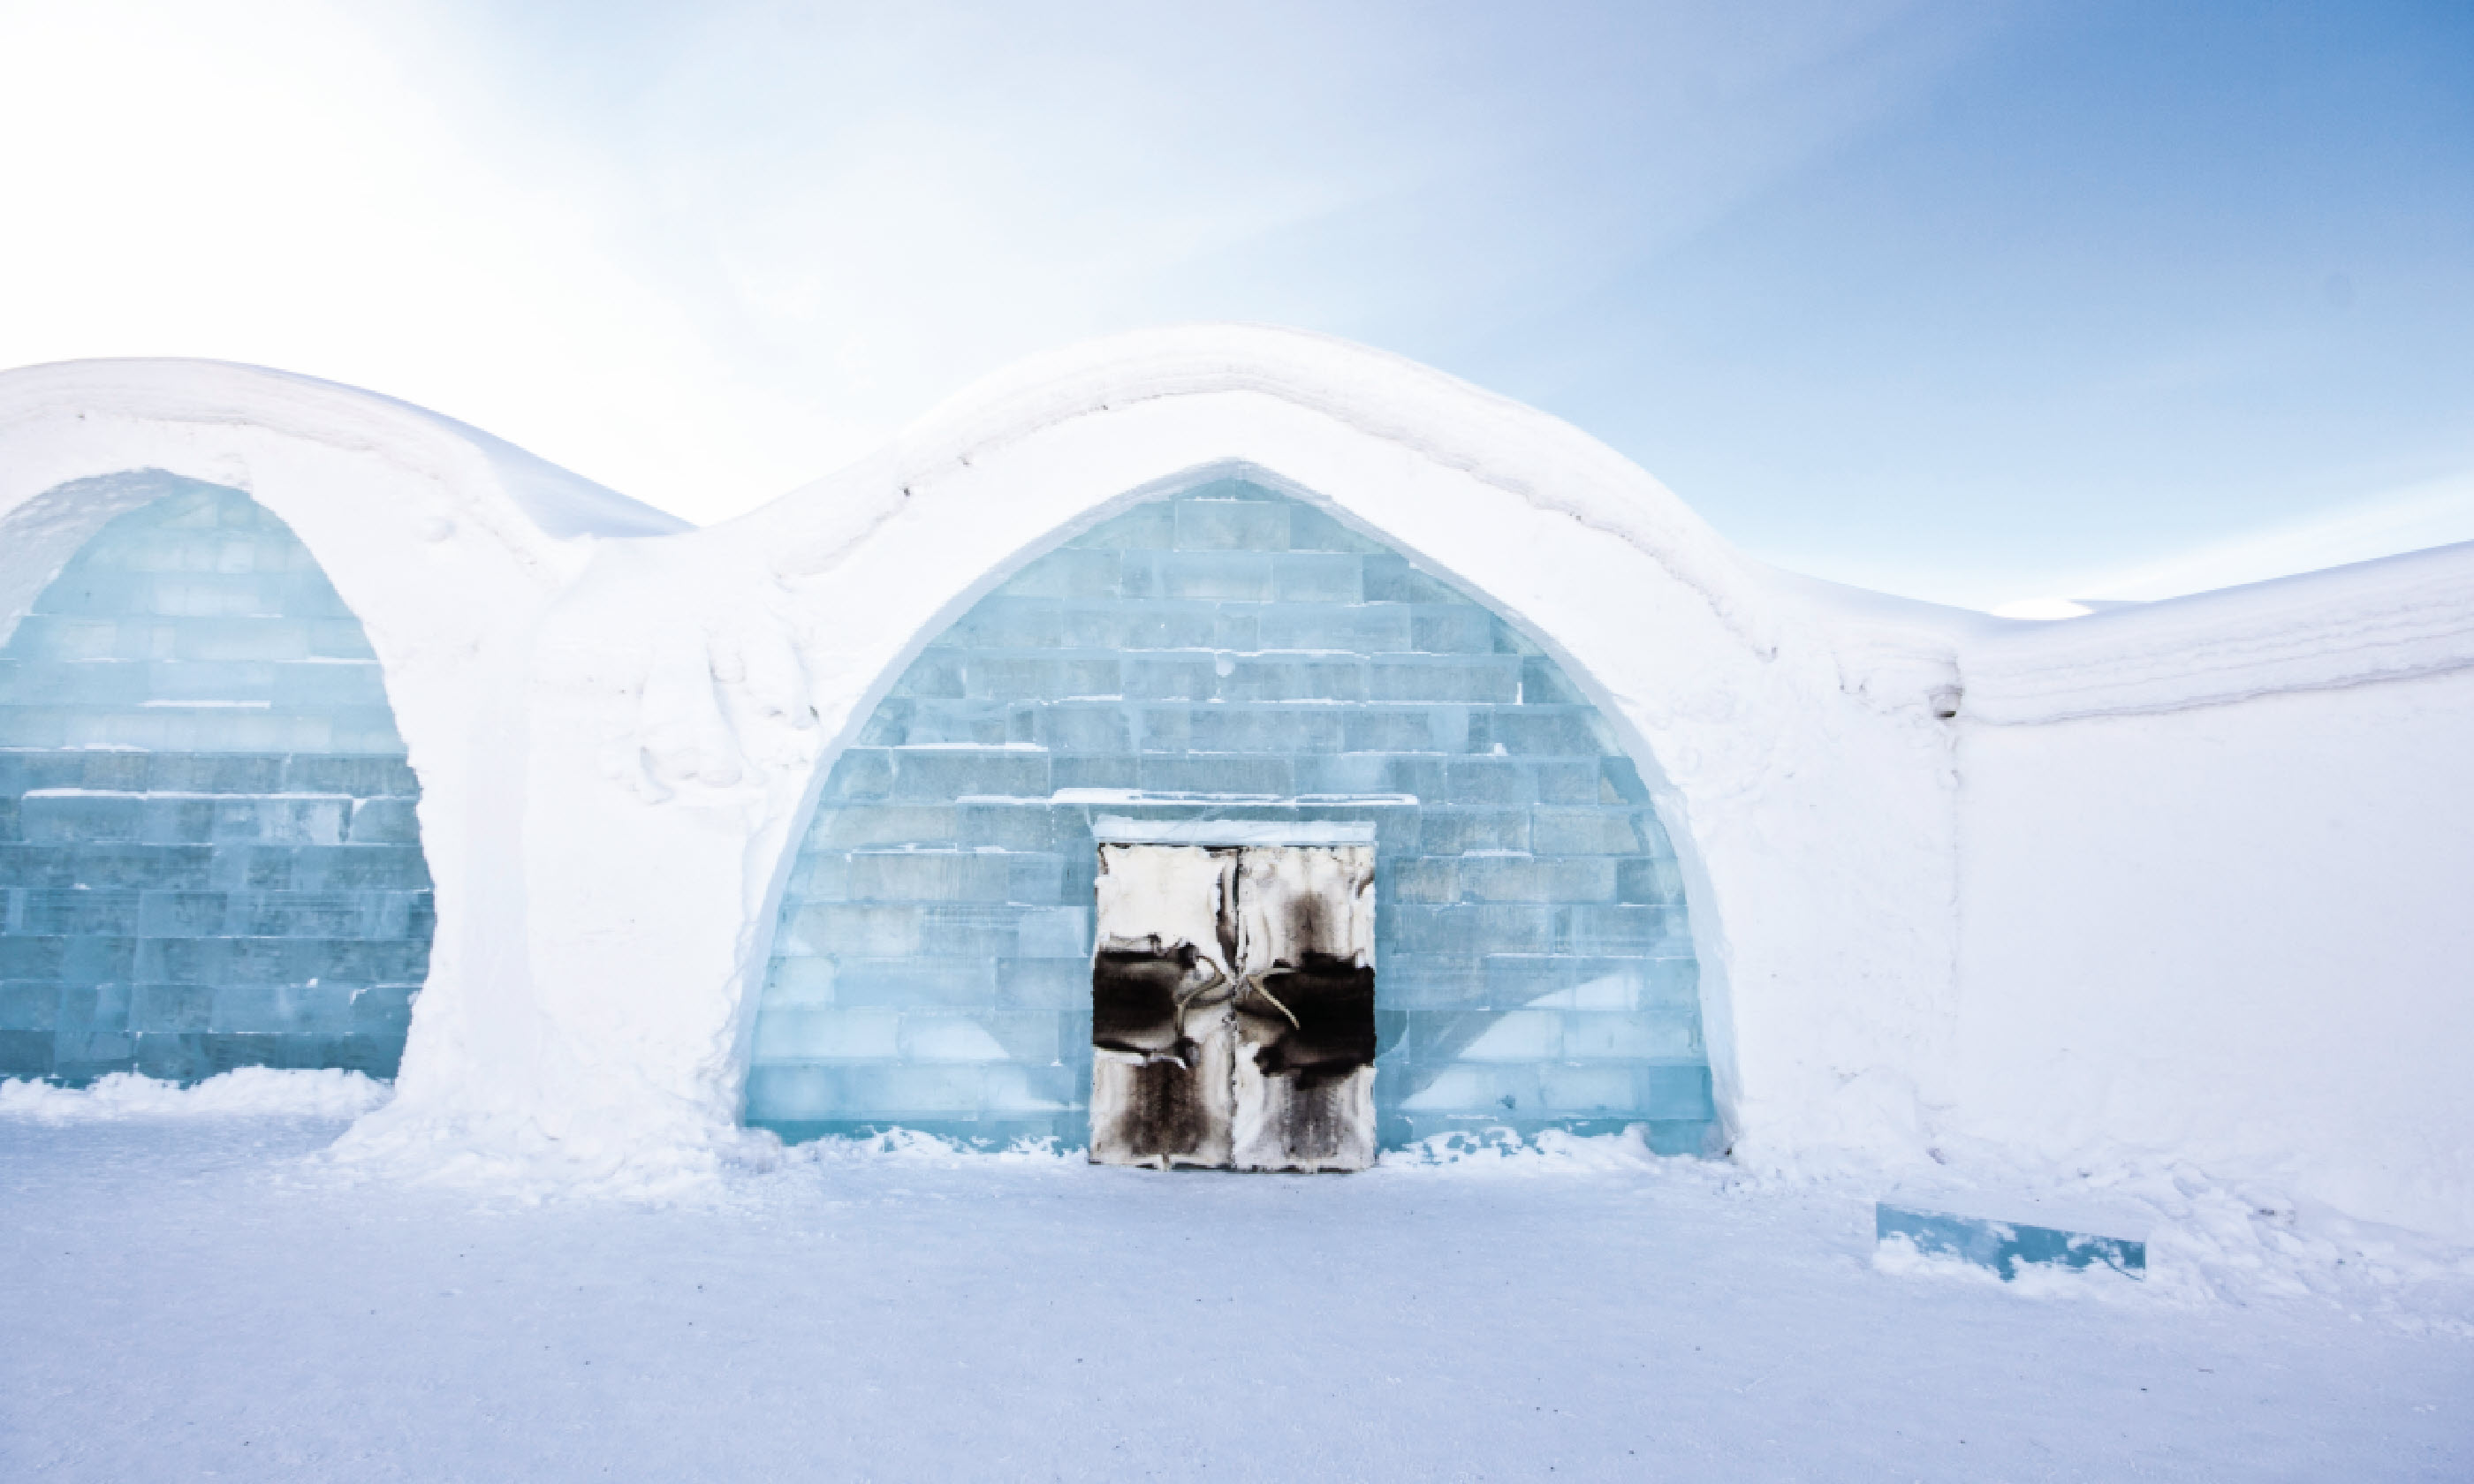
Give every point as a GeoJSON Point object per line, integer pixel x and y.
{"type": "Point", "coordinates": [1209, 747]}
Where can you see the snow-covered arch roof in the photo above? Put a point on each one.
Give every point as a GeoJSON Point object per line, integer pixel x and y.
{"type": "Point", "coordinates": [226, 423]}
{"type": "Point", "coordinates": [1365, 395]}
{"type": "Point", "coordinates": [716, 673]}
{"type": "Point", "coordinates": [366, 480]}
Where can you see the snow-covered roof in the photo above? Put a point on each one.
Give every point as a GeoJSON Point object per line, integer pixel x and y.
{"type": "Point", "coordinates": [202, 398]}
{"type": "Point", "coordinates": [2390, 619]}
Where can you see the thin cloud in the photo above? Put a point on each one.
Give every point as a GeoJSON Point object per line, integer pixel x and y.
{"type": "Point", "coordinates": [2438, 512]}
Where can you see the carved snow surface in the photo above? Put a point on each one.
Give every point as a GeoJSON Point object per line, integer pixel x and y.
{"type": "Point", "coordinates": [1232, 1007]}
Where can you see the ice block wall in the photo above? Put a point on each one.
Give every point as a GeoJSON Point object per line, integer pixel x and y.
{"type": "Point", "coordinates": [208, 853]}
{"type": "Point", "coordinates": [1232, 654]}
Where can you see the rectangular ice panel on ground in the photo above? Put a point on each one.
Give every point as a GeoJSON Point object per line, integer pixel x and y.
{"type": "Point", "coordinates": [2003, 1247]}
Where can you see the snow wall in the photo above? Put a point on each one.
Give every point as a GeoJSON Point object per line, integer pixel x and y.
{"type": "Point", "coordinates": [2166, 884]}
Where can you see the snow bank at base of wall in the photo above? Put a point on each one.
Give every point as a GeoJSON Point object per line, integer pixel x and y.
{"type": "Point", "coordinates": [248, 1091]}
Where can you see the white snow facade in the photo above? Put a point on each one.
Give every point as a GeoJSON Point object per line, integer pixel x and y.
{"type": "Point", "coordinates": [789, 821]}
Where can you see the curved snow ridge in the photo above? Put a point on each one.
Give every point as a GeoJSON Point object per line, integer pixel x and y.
{"type": "Point", "coordinates": [248, 1091]}
{"type": "Point", "coordinates": [543, 502]}
{"type": "Point", "coordinates": [1541, 459]}
{"type": "Point", "coordinates": [2393, 618]}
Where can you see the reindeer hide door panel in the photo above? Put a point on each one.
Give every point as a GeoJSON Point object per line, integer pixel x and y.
{"type": "Point", "coordinates": [1305, 1013]}
{"type": "Point", "coordinates": [1232, 1007]}
{"type": "Point", "coordinates": [1162, 1034]}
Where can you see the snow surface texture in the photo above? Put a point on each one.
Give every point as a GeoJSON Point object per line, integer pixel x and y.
{"type": "Point", "coordinates": [209, 1296]}
{"type": "Point", "coordinates": [2162, 888]}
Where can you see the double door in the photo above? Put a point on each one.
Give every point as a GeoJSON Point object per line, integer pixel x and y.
{"type": "Point", "coordinates": [1232, 1007]}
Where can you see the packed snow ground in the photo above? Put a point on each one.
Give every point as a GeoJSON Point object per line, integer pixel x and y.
{"type": "Point", "coordinates": [194, 1291]}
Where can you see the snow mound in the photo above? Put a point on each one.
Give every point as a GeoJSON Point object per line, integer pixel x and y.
{"type": "Point", "coordinates": [249, 1092]}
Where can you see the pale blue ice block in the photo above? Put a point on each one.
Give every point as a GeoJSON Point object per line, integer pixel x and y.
{"type": "Point", "coordinates": [2005, 1247]}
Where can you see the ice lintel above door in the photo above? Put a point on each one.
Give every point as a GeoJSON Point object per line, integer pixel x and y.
{"type": "Point", "coordinates": [1117, 829]}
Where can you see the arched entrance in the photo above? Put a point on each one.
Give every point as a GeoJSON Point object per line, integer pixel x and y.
{"type": "Point", "coordinates": [208, 852]}
{"type": "Point", "coordinates": [1231, 655]}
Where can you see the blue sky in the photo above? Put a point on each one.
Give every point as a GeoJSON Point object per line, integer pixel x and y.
{"type": "Point", "coordinates": [1978, 302]}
